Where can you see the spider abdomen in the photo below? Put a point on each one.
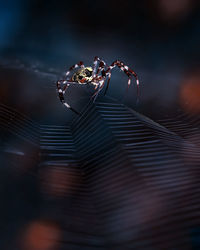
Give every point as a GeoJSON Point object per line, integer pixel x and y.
{"type": "Point", "coordinates": [83, 75]}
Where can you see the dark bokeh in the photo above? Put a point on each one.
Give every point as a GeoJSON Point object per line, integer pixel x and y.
{"type": "Point", "coordinates": [39, 41]}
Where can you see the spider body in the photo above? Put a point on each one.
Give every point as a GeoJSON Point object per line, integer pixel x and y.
{"type": "Point", "coordinates": [83, 75]}
{"type": "Point", "coordinates": [96, 76]}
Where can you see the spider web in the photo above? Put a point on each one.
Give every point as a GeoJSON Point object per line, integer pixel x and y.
{"type": "Point", "coordinates": [128, 182]}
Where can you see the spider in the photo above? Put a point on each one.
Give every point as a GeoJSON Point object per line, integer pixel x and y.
{"type": "Point", "coordinates": [95, 75]}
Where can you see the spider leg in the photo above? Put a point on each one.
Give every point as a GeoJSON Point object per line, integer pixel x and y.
{"type": "Point", "coordinates": [98, 68]}
{"type": "Point", "coordinates": [94, 97]}
{"type": "Point", "coordinates": [94, 68]}
{"type": "Point", "coordinates": [61, 92]}
{"type": "Point", "coordinates": [80, 64]}
{"type": "Point", "coordinates": [129, 72]}
{"type": "Point", "coordinates": [137, 80]}
{"type": "Point", "coordinates": [68, 82]}
{"type": "Point", "coordinates": [101, 81]}
{"type": "Point", "coordinates": [96, 71]}
{"type": "Point", "coordinates": [109, 76]}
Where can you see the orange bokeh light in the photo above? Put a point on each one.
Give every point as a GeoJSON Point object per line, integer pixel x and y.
{"type": "Point", "coordinates": [190, 94]}
{"type": "Point", "coordinates": [41, 235]}
{"type": "Point", "coordinates": [58, 181]}
{"type": "Point", "coordinates": [174, 10]}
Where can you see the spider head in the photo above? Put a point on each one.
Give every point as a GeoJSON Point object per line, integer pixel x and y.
{"type": "Point", "coordinates": [83, 75]}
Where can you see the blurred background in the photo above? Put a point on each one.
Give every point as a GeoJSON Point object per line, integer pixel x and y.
{"type": "Point", "coordinates": [39, 41]}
